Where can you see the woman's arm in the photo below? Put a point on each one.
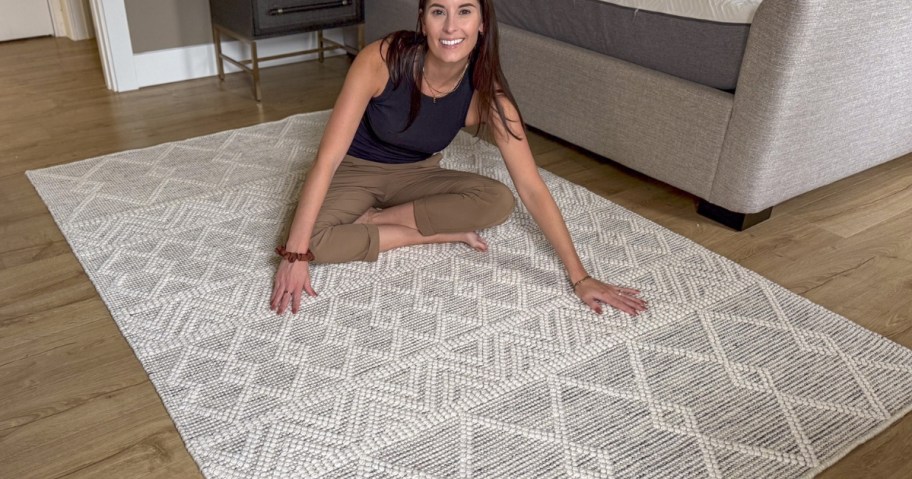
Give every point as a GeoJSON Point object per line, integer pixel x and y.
{"type": "Point", "coordinates": [538, 200]}
{"type": "Point", "coordinates": [366, 78]}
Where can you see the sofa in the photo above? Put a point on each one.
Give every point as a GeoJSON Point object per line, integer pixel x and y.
{"type": "Point", "coordinates": [824, 91]}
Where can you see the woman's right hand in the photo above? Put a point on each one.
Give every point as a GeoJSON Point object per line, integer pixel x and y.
{"type": "Point", "coordinates": [290, 280]}
{"type": "Point", "coordinates": [366, 78]}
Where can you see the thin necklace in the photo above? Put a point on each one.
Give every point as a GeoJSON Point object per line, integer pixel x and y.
{"type": "Point", "coordinates": [439, 94]}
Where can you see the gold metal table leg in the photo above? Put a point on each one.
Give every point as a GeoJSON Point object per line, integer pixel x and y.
{"type": "Point", "coordinates": [217, 39]}
{"type": "Point", "coordinates": [256, 70]}
{"type": "Point", "coordinates": [252, 66]}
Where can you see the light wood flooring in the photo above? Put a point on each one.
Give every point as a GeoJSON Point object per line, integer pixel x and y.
{"type": "Point", "coordinates": [74, 400]}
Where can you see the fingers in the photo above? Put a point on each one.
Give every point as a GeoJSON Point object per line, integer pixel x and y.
{"type": "Point", "coordinates": [620, 304]}
{"type": "Point", "coordinates": [274, 299]}
{"type": "Point", "coordinates": [624, 290]}
{"type": "Point", "coordinates": [283, 302]}
{"type": "Point", "coordinates": [593, 304]}
{"type": "Point", "coordinates": [309, 289]}
{"type": "Point", "coordinates": [295, 298]}
{"type": "Point", "coordinates": [291, 281]}
{"type": "Point", "coordinates": [288, 300]}
{"type": "Point", "coordinates": [632, 305]}
{"type": "Point", "coordinates": [283, 299]}
{"type": "Point", "coordinates": [639, 303]}
{"type": "Point", "coordinates": [298, 294]}
{"type": "Point", "coordinates": [633, 301]}
{"type": "Point", "coordinates": [278, 303]}
{"type": "Point", "coordinates": [594, 293]}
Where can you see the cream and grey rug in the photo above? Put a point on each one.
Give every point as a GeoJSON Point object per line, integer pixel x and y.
{"type": "Point", "coordinates": [439, 361]}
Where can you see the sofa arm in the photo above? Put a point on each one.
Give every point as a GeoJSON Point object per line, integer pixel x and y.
{"type": "Point", "coordinates": [825, 91]}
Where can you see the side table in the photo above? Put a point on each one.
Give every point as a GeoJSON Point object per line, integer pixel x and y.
{"type": "Point", "coordinates": [252, 20]}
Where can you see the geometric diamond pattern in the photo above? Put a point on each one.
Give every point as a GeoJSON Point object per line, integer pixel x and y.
{"type": "Point", "coordinates": [439, 361]}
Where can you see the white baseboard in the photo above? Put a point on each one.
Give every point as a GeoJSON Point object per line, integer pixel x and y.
{"type": "Point", "coordinates": [187, 63]}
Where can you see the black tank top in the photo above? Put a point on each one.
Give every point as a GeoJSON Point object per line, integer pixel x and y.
{"type": "Point", "coordinates": [380, 136]}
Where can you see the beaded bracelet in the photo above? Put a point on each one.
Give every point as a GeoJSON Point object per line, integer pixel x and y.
{"type": "Point", "coordinates": [292, 257]}
{"type": "Point", "coordinates": [584, 278]}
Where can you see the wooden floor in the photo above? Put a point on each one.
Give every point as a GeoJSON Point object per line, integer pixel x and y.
{"type": "Point", "coordinates": [74, 400]}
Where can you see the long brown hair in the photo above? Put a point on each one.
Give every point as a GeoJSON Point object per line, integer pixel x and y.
{"type": "Point", "coordinates": [405, 54]}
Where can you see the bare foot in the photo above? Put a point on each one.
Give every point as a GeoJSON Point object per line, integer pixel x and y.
{"type": "Point", "coordinates": [397, 236]}
{"type": "Point", "coordinates": [474, 240]}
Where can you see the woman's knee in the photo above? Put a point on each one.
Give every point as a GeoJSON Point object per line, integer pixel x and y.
{"type": "Point", "coordinates": [345, 243]}
{"type": "Point", "coordinates": [483, 204]}
{"type": "Point", "coordinates": [318, 244]}
{"type": "Point", "coordinates": [497, 204]}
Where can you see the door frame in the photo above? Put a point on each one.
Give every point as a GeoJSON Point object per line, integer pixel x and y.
{"type": "Point", "coordinates": [57, 17]}
{"type": "Point", "coordinates": [114, 44]}
{"type": "Point", "coordinates": [71, 19]}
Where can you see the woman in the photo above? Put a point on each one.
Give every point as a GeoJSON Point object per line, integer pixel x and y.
{"type": "Point", "coordinates": [404, 99]}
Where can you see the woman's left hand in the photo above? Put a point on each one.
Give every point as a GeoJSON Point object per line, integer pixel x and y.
{"type": "Point", "coordinates": [593, 292]}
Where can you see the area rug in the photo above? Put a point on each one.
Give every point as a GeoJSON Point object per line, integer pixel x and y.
{"type": "Point", "coordinates": [440, 361]}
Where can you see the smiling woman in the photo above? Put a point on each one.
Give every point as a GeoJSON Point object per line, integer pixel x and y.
{"type": "Point", "coordinates": [376, 183]}
{"type": "Point", "coordinates": [440, 50]}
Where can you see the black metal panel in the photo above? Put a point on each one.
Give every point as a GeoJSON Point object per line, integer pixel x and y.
{"type": "Point", "coordinates": [257, 19]}
{"type": "Point", "coordinates": [235, 15]}
{"type": "Point", "coordinates": [275, 17]}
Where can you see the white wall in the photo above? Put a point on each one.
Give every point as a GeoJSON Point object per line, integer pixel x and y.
{"type": "Point", "coordinates": [185, 63]}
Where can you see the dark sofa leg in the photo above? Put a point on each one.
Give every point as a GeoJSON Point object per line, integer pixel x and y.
{"type": "Point", "coordinates": [737, 221]}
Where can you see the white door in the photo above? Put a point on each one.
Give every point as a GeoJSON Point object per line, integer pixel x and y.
{"type": "Point", "coordinates": [24, 19]}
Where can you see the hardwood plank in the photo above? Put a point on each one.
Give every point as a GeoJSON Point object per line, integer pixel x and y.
{"type": "Point", "coordinates": [43, 284]}
{"type": "Point", "coordinates": [122, 432]}
{"type": "Point", "coordinates": [875, 294]}
{"type": "Point", "coordinates": [39, 229]}
{"type": "Point", "coordinates": [837, 188]}
{"type": "Point", "coordinates": [890, 239]}
{"type": "Point", "coordinates": [78, 365]}
{"type": "Point", "coordinates": [19, 198]}
{"type": "Point", "coordinates": [33, 253]}
{"type": "Point", "coordinates": [884, 457]}
{"type": "Point", "coordinates": [865, 204]}
{"type": "Point", "coordinates": [23, 336]}
{"type": "Point", "coordinates": [159, 454]}
{"type": "Point", "coordinates": [91, 390]}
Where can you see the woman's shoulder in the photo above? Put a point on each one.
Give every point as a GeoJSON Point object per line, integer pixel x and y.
{"type": "Point", "coordinates": [374, 53]}
{"type": "Point", "coordinates": [369, 69]}
{"type": "Point", "coordinates": [372, 58]}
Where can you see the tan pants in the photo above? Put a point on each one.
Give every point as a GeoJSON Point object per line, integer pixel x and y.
{"type": "Point", "coordinates": [446, 201]}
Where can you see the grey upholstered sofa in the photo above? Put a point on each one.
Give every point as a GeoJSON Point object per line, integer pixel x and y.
{"type": "Point", "coordinates": [824, 91]}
